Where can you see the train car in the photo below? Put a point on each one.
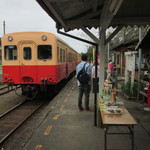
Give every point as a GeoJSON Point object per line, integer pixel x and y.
{"type": "Point", "coordinates": [37, 61]}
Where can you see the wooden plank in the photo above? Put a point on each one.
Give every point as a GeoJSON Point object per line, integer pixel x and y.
{"type": "Point", "coordinates": [122, 119]}
{"type": "Point", "coordinates": [81, 22]}
{"type": "Point", "coordinates": [117, 119]}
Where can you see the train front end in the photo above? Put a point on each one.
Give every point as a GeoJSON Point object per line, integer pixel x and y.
{"type": "Point", "coordinates": [28, 60]}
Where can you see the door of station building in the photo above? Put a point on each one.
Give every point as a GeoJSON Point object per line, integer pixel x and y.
{"type": "Point", "coordinates": [28, 56]}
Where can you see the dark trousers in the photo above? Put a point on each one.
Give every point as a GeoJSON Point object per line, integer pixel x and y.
{"type": "Point", "coordinates": [86, 90]}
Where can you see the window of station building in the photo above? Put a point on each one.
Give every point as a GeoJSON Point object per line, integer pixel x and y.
{"type": "Point", "coordinates": [44, 52]}
{"type": "Point", "coordinates": [118, 60]}
{"type": "Point", "coordinates": [27, 53]}
{"type": "Point", "coordinates": [10, 52]}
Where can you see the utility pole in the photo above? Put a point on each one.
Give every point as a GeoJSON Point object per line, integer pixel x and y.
{"type": "Point", "coordinates": [4, 27]}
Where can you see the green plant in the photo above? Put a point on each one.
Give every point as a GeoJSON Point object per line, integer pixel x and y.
{"type": "Point", "coordinates": [128, 89]}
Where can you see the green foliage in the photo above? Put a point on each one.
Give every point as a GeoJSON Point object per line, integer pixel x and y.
{"type": "Point", "coordinates": [130, 90]}
{"type": "Point", "coordinates": [90, 52]}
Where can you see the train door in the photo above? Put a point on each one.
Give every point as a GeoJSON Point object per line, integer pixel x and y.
{"type": "Point", "coordinates": [27, 58]}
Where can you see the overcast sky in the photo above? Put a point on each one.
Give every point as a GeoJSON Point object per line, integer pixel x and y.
{"type": "Point", "coordinates": [27, 15]}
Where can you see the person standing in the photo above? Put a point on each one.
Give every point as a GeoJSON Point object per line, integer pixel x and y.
{"type": "Point", "coordinates": [110, 68]}
{"type": "Point", "coordinates": [84, 89]}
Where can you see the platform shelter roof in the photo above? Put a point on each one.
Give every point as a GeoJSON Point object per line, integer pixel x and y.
{"type": "Point", "coordinates": [145, 42]}
{"type": "Point", "coordinates": [75, 14]}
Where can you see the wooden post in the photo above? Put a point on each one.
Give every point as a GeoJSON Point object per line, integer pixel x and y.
{"type": "Point", "coordinates": [139, 73]}
{"type": "Point", "coordinates": [102, 60]}
{"type": "Point", "coordinates": [108, 51]}
{"type": "Point", "coordinates": [139, 64]}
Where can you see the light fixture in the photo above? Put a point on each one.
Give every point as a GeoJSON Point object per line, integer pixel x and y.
{"type": "Point", "coordinates": [44, 37]}
{"type": "Point", "coordinates": [10, 38]}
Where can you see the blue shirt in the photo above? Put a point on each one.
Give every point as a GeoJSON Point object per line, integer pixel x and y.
{"type": "Point", "coordinates": [80, 66]}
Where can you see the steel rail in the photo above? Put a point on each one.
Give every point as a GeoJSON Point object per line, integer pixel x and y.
{"type": "Point", "coordinates": [18, 123]}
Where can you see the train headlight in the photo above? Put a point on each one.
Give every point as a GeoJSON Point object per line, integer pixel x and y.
{"type": "Point", "coordinates": [44, 37]}
{"type": "Point", "coordinates": [10, 38]}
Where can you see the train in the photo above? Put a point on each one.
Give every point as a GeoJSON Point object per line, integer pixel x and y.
{"type": "Point", "coordinates": [37, 61]}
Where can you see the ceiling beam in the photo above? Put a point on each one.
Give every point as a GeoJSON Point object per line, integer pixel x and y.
{"type": "Point", "coordinates": [90, 34]}
{"type": "Point", "coordinates": [113, 34]}
{"type": "Point", "coordinates": [116, 21]}
{"type": "Point", "coordinates": [62, 1]}
{"type": "Point", "coordinates": [82, 22]}
{"type": "Point", "coordinates": [110, 8]}
{"type": "Point", "coordinates": [48, 4]}
{"type": "Point", "coordinates": [131, 20]}
{"type": "Point", "coordinates": [91, 15]}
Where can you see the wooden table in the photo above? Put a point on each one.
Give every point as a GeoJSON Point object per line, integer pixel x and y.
{"type": "Point", "coordinates": [124, 119]}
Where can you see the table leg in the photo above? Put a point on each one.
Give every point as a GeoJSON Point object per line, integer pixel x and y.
{"type": "Point", "coordinates": [132, 133]}
{"type": "Point", "coordinates": [105, 137]}
{"type": "Point", "coordinates": [100, 120]}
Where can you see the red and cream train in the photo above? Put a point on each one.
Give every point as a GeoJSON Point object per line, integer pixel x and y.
{"type": "Point", "coordinates": [37, 61]}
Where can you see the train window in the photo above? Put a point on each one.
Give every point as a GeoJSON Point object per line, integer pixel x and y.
{"type": "Point", "coordinates": [27, 53]}
{"type": "Point", "coordinates": [64, 56]}
{"type": "Point", "coordinates": [58, 54]}
{"type": "Point", "coordinates": [44, 52]}
{"type": "Point", "coordinates": [70, 57]}
{"type": "Point", "coordinates": [10, 52]}
{"type": "Point", "coordinates": [61, 56]}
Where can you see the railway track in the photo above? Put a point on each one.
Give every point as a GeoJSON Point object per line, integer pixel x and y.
{"type": "Point", "coordinates": [6, 89]}
{"type": "Point", "coordinates": [11, 120]}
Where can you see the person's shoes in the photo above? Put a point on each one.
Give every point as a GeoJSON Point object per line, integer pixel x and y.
{"type": "Point", "coordinates": [87, 109]}
{"type": "Point", "coordinates": [81, 108]}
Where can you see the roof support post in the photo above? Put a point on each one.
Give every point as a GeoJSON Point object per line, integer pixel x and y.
{"type": "Point", "coordinates": [108, 51]}
{"type": "Point", "coordinates": [139, 63]}
{"type": "Point", "coordinates": [110, 9]}
{"type": "Point", "coordinates": [102, 59]}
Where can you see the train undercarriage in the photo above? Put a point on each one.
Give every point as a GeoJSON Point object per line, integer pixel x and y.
{"type": "Point", "coordinates": [31, 91]}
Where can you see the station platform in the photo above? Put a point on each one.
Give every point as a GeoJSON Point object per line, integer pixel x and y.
{"type": "Point", "coordinates": [64, 127]}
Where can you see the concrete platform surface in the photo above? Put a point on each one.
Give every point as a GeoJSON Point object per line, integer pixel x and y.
{"type": "Point", "coordinates": [67, 128]}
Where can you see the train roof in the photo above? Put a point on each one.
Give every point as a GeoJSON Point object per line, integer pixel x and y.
{"type": "Point", "coordinates": [65, 43]}
{"type": "Point", "coordinates": [29, 32]}
{"type": "Point", "coordinates": [40, 32]}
